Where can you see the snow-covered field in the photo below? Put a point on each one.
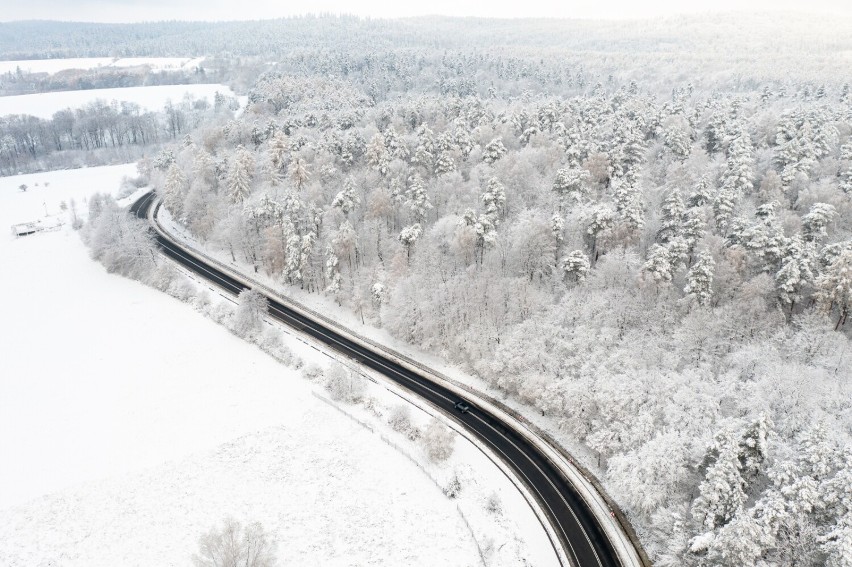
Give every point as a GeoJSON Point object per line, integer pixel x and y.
{"type": "Point", "coordinates": [56, 65]}
{"type": "Point", "coordinates": [123, 439]}
{"type": "Point", "coordinates": [44, 105]}
{"type": "Point", "coordinates": [130, 424]}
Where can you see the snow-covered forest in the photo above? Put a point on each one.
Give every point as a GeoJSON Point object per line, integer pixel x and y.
{"type": "Point", "coordinates": [647, 238]}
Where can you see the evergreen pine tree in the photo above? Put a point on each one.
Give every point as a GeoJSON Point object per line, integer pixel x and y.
{"type": "Point", "coordinates": [240, 175]}
{"type": "Point", "coordinates": [699, 279]}
{"type": "Point", "coordinates": [493, 151]}
{"type": "Point", "coordinates": [672, 224]}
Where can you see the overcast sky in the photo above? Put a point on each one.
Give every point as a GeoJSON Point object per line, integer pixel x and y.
{"type": "Point", "coordinates": [146, 10]}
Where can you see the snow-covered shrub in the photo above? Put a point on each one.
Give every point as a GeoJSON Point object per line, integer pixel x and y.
{"type": "Point", "coordinates": [272, 343]}
{"type": "Point", "coordinates": [312, 371]}
{"type": "Point", "coordinates": [400, 418]}
{"type": "Point", "coordinates": [493, 504]}
{"type": "Point", "coordinates": [438, 441]}
{"type": "Point", "coordinates": [252, 306]}
{"type": "Point", "coordinates": [222, 313]}
{"type": "Point", "coordinates": [163, 276]}
{"type": "Point", "coordinates": [202, 302]}
{"type": "Point", "coordinates": [453, 487]}
{"type": "Point", "coordinates": [183, 289]}
{"type": "Point", "coordinates": [343, 385]}
{"type": "Point", "coordinates": [234, 545]}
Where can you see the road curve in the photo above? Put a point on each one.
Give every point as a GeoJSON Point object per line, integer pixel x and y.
{"type": "Point", "coordinates": [580, 535]}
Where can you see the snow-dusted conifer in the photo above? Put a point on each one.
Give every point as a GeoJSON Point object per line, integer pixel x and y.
{"type": "Point", "coordinates": [279, 148]}
{"type": "Point", "coordinates": [724, 206]}
{"type": "Point", "coordinates": [699, 279]}
{"type": "Point", "coordinates": [576, 266]}
{"type": "Point", "coordinates": [569, 182]}
{"type": "Point", "coordinates": [494, 200]}
{"type": "Point", "coordinates": [493, 151]}
{"type": "Point", "coordinates": [795, 273]}
{"type": "Point", "coordinates": [814, 223]}
{"type": "Point", "coordinates": [673, 217]}
{"type": "Point", "coordinates": [174, 189]}
{"type": "Point", "coordinates": [332, 270]}
{"type": "Point", "coordinates": [721, 495]}
{"type": "Point", "coordinates": [737, 178]}
{"type": "Point", "coordinates": [834, 286]}
{"type": "Point", "coordinates": [444, 163]}
{"type": "Point", "coordinates": [600, 221]}
{"type": "Point", "coordinates": [417, 199]}
{"type": "Point", "coordinates": [659, 264]}
{"type": "Point", "coordinates": [409, 235]}
{"type": "Point", "coordinates": [628, 204]}
{"type": "Point", "coordinates": [240, 174]}
{"type": "Point", "coordinates": [347, 199]}
{"type": "Point", "coordinates": [377, 154]}
{"type": "Point", "coordinates": [701, 194]}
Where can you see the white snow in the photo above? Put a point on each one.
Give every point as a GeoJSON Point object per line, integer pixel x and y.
{"type": "Point", "coordinates": [52, 66]}
{"type": "Point", "coordinates": [44, 105]}
{"type": "Point", "coordinates": [130, 424]}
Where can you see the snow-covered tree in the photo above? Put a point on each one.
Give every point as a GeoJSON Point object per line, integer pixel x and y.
{"type": "Point", "coordinates": [332, 271]}
{"type": "Point", "coordinates": [298, 172]}
{"type": "Point", "coordinates": [721, 495]}
{"type": "Point", "coordinates": [174, 189]}
{"type": "Point", "coordinates": [278, 150]}
{"type": "Point", "coordinates": [672, 223]}
{"type": "Point", "coordinates": [795, 273]}
{"type": "Point", "coordinates": [438, 441]}
{"type": "Point", "coordinates": [699, 279]}
{"type": "Point", "coordinates": [234, 545]}
{"type": "Point", "coordinates": [377, 154]}
{"type": "Point", "coordinates": [484, 231]}
{"type": "Point", "coordinates": [701, 194]}
{"type": "Point", "coordinates": [601, 221]}
{"type": "Point", "coordinates": [814, 223]}
{"type": "Point", "coordinates": [659, 264]}
{"type": "Point", "coordinates": [444, 163]}
{"type": "Point", "coordinates": [846, 174]}
{"type": "Point", "coordinates": [493, 151]}
{"type": "Point", "coordinates": [677, 138]}
{"type": "Point", "coordinates": [629, 205]}
{"type": "Point", "coordinates": [252, 306]}
{"type": "Point", "coordinates": [576, 265]}
{"type": "Point", "coordinates": [569, 182]}
{"type": "Point", "coordinates": [417, 199]}
{"type": "Point", "coordinates": [494, 200]}
{"type": "Point", "coordinates": [347, 199]}
{"type": "Point", "coordinates": [409, 235]}
{"type": "Point", "coordinates": [122, 243]}
{"type": "Point", "coordinates": [724, 206]}
{"type": "Point", "coordinates": [738, 176]}
{"type": "Point", "coordinates": [343, 385]}
{"type": "Point", "coordinates": [240, 173]}
{"type": "Point", "coordinates": [834, 287]}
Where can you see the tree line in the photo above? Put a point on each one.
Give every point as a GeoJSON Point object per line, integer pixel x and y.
{"type": "Point", "coordinates": [29, 143]}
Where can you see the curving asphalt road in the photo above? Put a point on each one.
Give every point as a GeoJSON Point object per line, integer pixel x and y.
{"type": "Point", "coordinates": [580, 535]}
